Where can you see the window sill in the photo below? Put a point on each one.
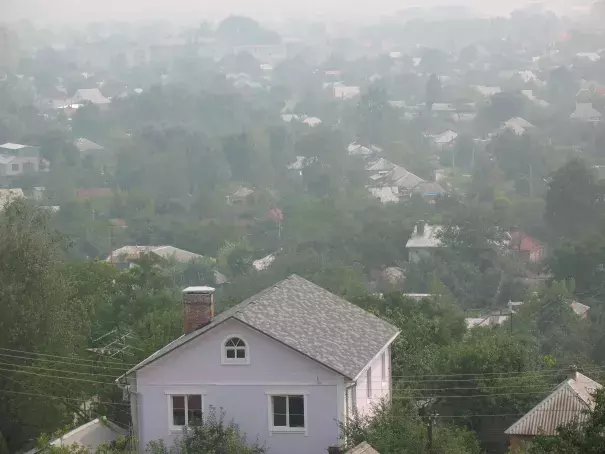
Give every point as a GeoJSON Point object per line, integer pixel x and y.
{"type": "Point", "coordinates": [175, 430]}
{"type": "Point", "coordinates": [229, 363]}
{"type": "Point", "coordinates": [286, 430]}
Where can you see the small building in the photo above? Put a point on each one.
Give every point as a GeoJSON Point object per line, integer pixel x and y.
{"type": "Point", "coordinates": [345, 92]}
{"type": "Point", "coordinates": [423, 242]}
{"type": "Point", "coordinates": [526, 247]}
{"type": "Point", "coordinates": [405, 180]}
{"type": "Point", "coordinates": [570, 401]}
{"type": "Point", "coordinates": [90, 435]}
{"type": "Point", "coordinates": [429, 190]}
{"type": "Point", "coordinates": [22, 151]}
{"type": "Point", "coordinates": [264, 263]}
{"type": "Point", "coordinates": [386, 194]}
{"type": "Point", "coordinates": [445, 140]}
{"type": "Point", "coordinates": [240, 197]}
{"type": "Point", "coordinates": [518, 125]}
{"type": "Point", "coordinates": [586, 112]}
{"type": "Point", "coordinates": [92, 96]}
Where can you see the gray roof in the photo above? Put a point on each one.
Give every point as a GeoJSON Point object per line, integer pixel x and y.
{"type": "Point", "coordinates": [308, 319]}
{"type": "Point", "coordinates": [362, 448]}
{"type": "Point", "coordinates": [567, 402]}
{"type": "Point", "coordinates": [84, 145]}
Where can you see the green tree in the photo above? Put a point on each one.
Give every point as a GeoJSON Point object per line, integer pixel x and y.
{"type": "Point", "coordinates": [434, 92]}
{"type": "Point", "coordinates": [573, 200]}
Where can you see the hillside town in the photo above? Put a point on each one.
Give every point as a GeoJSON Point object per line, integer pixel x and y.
{"type": "Point", "coordinates": [298, 237]}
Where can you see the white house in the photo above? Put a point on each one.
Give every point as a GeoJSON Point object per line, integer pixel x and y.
{"type": "Point", "coordinates": [285, 364]}
{"type": "Point", "coordinates": [518, 125]}
{"type": "Point", "coordinates": [585, 112]}
{"type": "Point", "coordinates": [446, 139]}
{"type": "Point", "coordinates": [423, 242]}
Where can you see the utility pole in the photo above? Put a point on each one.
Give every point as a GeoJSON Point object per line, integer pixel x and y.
{"type": "Point", "coordinates": [431, 422]}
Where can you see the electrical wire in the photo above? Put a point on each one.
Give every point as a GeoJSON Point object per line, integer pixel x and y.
{"type": "Point", "coordinates": [59, 370]}
{"type": "Point", "coordinates": [73, 358]}
{"type": "Point", "coordinates": [70, 363]}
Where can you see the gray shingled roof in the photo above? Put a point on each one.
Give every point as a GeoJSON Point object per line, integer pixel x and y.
{"type": "Point", "coordinates": [309, 319]}
{"type": "Point", "coordinates": [362, 448]}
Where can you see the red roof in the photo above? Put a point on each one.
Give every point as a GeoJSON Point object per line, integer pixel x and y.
{"type": "Point", "coordinates": [521, 241]}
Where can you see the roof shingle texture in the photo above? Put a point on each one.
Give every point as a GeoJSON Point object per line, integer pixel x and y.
{"type": "Point", "coordinates": [362, 448]}
{"type": "Point", "coordinates": [567, 402]}
{"type": "Point", "coordinates": [309, 319]}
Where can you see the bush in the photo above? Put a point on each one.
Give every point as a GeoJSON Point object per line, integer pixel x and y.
{"type": "Point", "coordinates": [211, 436]}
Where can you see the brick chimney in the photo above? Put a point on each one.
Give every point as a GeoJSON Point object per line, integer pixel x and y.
{"type": "Point", "coordinates": [198, 307]}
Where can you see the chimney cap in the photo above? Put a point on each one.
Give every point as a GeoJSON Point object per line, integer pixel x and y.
{"type": "Point", "coordinates": [199, 289]}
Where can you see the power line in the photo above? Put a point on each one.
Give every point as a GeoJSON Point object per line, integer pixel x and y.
{"type": "Point", "coordinates": [58, 370]}
{"type": "Point", "coordinates": [57, 376]}
{"type": "Point", "coordinates": [56, 361]}
{"type": "Point", "coordinates": [73, 358]}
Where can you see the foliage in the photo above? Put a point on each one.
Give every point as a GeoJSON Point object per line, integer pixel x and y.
{"type": "Point", "coordinates": [399, 429]}
{"type": "Point", "coordinates": [212, 435]}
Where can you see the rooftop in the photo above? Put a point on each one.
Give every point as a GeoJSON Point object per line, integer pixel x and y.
{"type": "Point", "coordinates": [13, 146]}
{"type": "Point", "coordinates": [427, 239]}
{"type": "Point", "coordinates": [568, 401]}
{"type": "Point", "coordinates": [308, 319]}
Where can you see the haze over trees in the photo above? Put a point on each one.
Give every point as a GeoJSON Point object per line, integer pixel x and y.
{"type": "Point", "coordinates": [318, 152]}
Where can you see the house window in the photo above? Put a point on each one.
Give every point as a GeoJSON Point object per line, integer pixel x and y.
{"type": "Point", "coordinates": [185, 409]}
{"type": "Point", "coordinates": [369, 383]}
{"type": "Point", "coordinates": [235, 351]}
{"type": "Point", "coordinates": [288, 413]}
{"type": "Point", "coordinates": [383, 364]}
{"type": "Point", "coordinates": [15, 167]}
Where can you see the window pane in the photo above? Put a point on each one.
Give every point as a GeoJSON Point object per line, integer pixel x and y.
{"type": "Point", "coordinates": [231, 342]}
{"type": "Point", "coordinates": [178, 402]}
{"type": "Point", "coordinates": [279, 411]}
{"type": "Point", "coordinates": [297, 411]}
{"type": "Point", "coordinates": [178, 410]}
{"type": "Point", "coordinates": [178, 417]}
{"type": "Point", "coordinates": [241, 343]}
{"type": "Point", "coordinates": [194, 408]}
{"type": "Point", "coordinates": [241, 353]}
{"type": "Point", "coordinates": [230, 353]}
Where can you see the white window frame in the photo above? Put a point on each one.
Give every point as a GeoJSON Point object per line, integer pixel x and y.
{"type": "Point", "coordinates": [286, 429]}
{"type": "Point", "coordinates": [235, 361]}
{"type": "Point", "coordinates": [383, 366]}
{"type": "Point", "coordinates": [369, 382]}
{"type": "Point", "coordinates": [185, 394]}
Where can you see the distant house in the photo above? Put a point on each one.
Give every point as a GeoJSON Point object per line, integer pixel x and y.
{"type": "Point", "coordinates": [17, 159]}
{"type": "Point", "coordinates": [7, 196]}
{"type": "Point", "coordinates": [362, 448]}
{"type": "Point", "coordinates": [86, 146]}
{"type": "Point", "coordinates": [288, 364]}
{"type": "Point", "coordinates": [570, 401]}
{"type": "Point", "coordinates": [585, 112]}
{"type": "Point", "coordinates": [444, 140]}
{"type": "Point", "coordinates": [90, 435]}
{"type": "Point", "coordinates": [241, 196]}
{"type": "Point", "coordinates": [518, 125]}
{"type": "Point", "coordinates": [386, 194]}
{"type": "Point", "coordinates": [429, 189]}
{"type": "Point", "coordinates": [92, 96]}
{"type": "Point", "coordinates": [381, 166]}
{"type": "Point", "coordinates": [312, 121]}
{"type": "Point", "coordinates": [423, 242]}
{"type": "Point", "coordinates": [526, 247]}
{"type": "Point", "coordinates": [591, 56]}
{"type": "Point", "coordinates": [355, 149]}
{"type": "Point", "coordinates": [487, 91]}
{"type": "Point", "coordinates": [346, 92]}
{"type": "Point", "coordinates": [405, 180]}
{"type": "Point", "coordinates": [128, 254]}
{"type": "Point", "coordinates": [486, 321]}
{"type": "Point", "coordinates": [22, 151]}
{"type": "Point", "coordinates": [264, 263]}
{"type": "Point", "coordinates": [529, 94]}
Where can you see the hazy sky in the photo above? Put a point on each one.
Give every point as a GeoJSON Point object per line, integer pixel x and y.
{"type": "Point", "coordinates": [91, 10]}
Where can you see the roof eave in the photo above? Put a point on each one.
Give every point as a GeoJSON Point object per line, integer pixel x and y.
{"type": "Point", "coordinates": [384, 347]}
